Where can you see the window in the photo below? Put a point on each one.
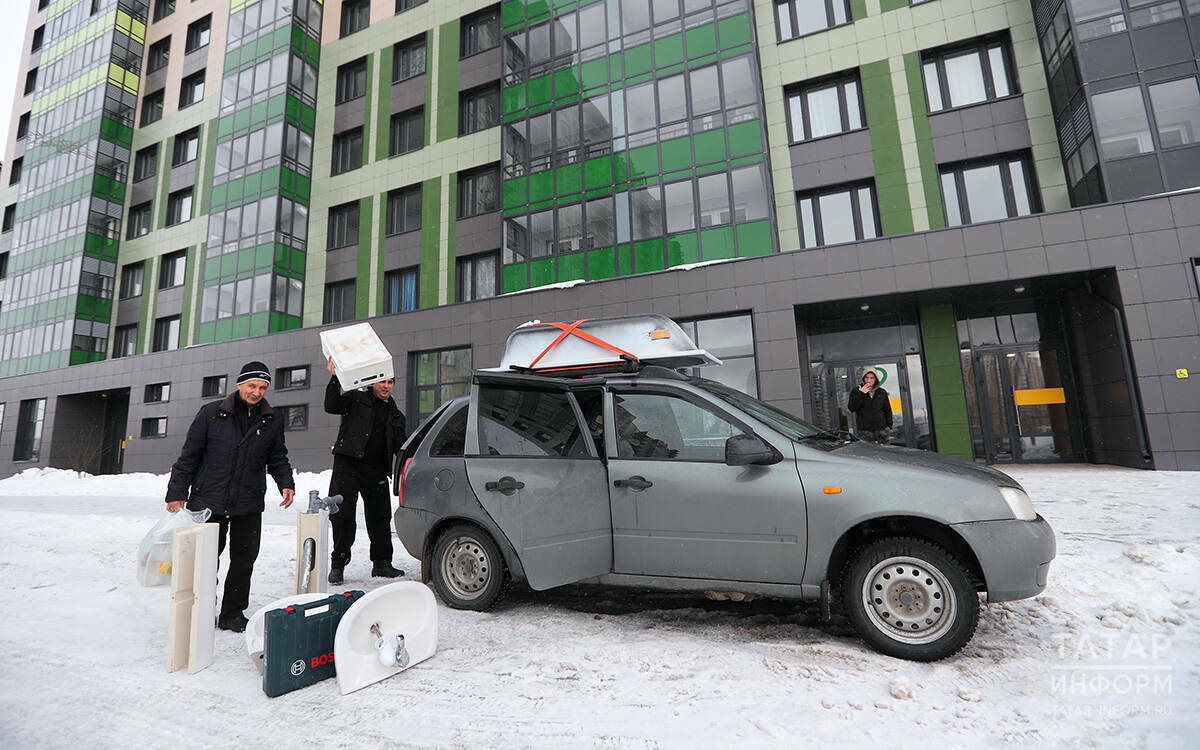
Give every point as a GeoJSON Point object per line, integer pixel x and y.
{"type": "Point", "coordinates": [351, 80]}
{"type": "Point", "coordinates": [453, 438]}
{"type": "Point", "coordinates": [339, 302]}
{"type": "Point", "coordinates": [154, 427]}
{"type": "Point", "coordinates": [187, 144]}
{"type": "Point", "coordinates": [730, 338]}
{"type": "Point", "coordinates": [826, 108]}
{"type": "Point", "coordinates": [179, 207]}
{"type": "Point", "coordinates": [152, 107]}
{"type": "Point", "coordinates": [343, 225]}
{"type": "Point", "coordinates": [1121, 123]}
{"type": "Point", "coordinates": [29, 430]}
{"type": "Point", "coordinates": [163, 8]}
{"type": "Point", "coordinates": [658, 426]}
{"type": "Point", "coordinates": [478, 191]}
{"type": "Point", "coordinates": [987, 191]}
{"type": "Point", "coordinates": [434, 378]}
{"type": "Point", "coordinates": [10, 218]}
{"type": "Point", "coordinates": [408, 58]}
{"type": "Point", "coordinates": [212, 386]}
{"type": "Point", "coordinates": [347, 151]}
{"type": "Point", "coordinates": [1176, 106]}
{"type": "Point", "coordinates": [294, 417]}
{"type": "Point", "coordinates": [14, 172]}
{"type": "Point", "coordinates": [158, 55]}
{"type": "Point", "coordinates": [31, 80]}
{"type": "Point", "coordinates": [400, 291]}
{"type": "Point", "coordinates": [479, 109]}
{"type": "Point", "coordinates": [145, 163]}
{"type": "Point", "coordinates": [166, 334]}
{"type": "Point", "coordinates": [23, 126]}
{"type": "Point", "coordinates": [291, 377]}
{"type": "Point", "coordinates": [191, 90]}
{"type": "Point", "coordinates": [404, 210]}
{"type": "Point", "coordinates": [521, 422]}
{"type": "Point", "coordinates": [799, 17]}
{"type": "Point", "coordinates": [961, 76]}
{"type": "Point", "coordinates": [125, 341]}
{"type": "Point", "coordinates": [403, 5]}
{"type": "Point", "coordinates": [132, 277]}
{"type": "Point", "coordinates": [171, 270]}
{"type": "Point", "coordinates": [407, 132]}
{"type": "Point", "coordinates": [38, 35]}
{"type": "Point", "coordinates": [197, 34]}
{"type": "Point", "coordinates": [1095, 18]}
{"type": "Point", "coordinates": [480, 32]}
{"type": "Point", "coordinates": [356, 14]}
{"type": "Point", "coordinates": [841, 214]}
{"type": "Point", "coordinates": [139, 220]}
{"type": "Point", "coordinates": [157, 393]}
{"type": "Point", "coordinates": [478, 277]}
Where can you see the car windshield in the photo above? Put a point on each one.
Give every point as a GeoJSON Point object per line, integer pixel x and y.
{"type": "Point", "coordinates": [777, 419]}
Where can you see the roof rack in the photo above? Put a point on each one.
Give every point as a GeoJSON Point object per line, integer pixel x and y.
{"type": "Point", "coordinates": [601, 346]}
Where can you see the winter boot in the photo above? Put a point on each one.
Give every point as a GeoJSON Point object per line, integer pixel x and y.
{"type": "Point", "coordinates": [335, 574]}
{"type": "Point", "coordinates": [235, 622]}
{"type": "Point", "coordinates": [385, 570]}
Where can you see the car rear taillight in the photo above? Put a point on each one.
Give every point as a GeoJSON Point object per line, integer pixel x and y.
{"type": "Point", "coordinates": [400, 494]}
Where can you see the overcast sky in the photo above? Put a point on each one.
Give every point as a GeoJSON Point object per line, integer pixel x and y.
{"type": "Point", "coordinates": [12, 35]}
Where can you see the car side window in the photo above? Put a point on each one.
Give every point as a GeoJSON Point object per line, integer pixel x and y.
{"type": "Point", "coordinates": [528, 422]}
{"type": "Point", "coordinates": [453, 436]}
{"type": "Point", "coordinates": [655, 425]}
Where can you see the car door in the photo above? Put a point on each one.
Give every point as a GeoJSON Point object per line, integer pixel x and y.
{"type": "Point", "coordinates": [679, 510]}
{"type": "Point", "coordinates": [536, 472]}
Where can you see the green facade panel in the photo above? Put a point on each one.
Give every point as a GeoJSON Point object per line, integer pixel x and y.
{"type": "Point", "coordinates": [891, 183]}
{"type": "Point", "coordinates": [943, 370]}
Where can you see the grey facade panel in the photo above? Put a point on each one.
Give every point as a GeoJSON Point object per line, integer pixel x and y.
{"type": "Point", "coordinates": [1162, 44]}
{"type": "Point", "coordinates": [351, 114]}
{"type": "Point", "coordinates": [1181, 168]}
{"type": "Point", "coordinates": [479, 69]}
{"type": "Point", "coordinates": [1133, 177]}
{"type": "Point", "coordinates": [832, 161]}
{"type": "Point", "coordinates": [980, 130]}
{"type": "Point", "coordinates": [183, 176]}
{"type": "Point", "coordinates": [341, 264]}
{"type": "Point", "coordinates": [477, 234]}
{"type": "Point", "coordinates": [196, 61]}
{"type": "Point", "coordinates": [141, 191]}
{"type": "Point", "coordinates": [401, 250]}
{"type": "Point", "coordinates": [168, 302]}
{"type": "Point", "coordinates": [409, 94]}
{"type": "Point", "coordinates": [1107, 56]}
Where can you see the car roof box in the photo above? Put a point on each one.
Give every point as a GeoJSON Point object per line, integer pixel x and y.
{"type": "Point", "coordinates": [600, 345]}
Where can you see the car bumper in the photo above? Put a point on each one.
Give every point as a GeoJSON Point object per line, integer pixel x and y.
{"type": "Point", "coordinates": [412, 527]}
{"type": "Point", "coordinates": [1014, 555]}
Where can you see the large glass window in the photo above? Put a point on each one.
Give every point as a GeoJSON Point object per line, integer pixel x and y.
{"type": "Point", "coordinates": [408, 58]}
{"type": "Point", "coordinates": [404, 210]}
{"type": "Point", "coordinates": [407, 132]}
{"type": "Point", "coordinates": [479, 109]}
{"type": "Point", "coordinates": [658, 426]}
{"type": "Point", "coordinates": [825, 108]}
{"type": "Point", "coordinates": [152, 107]}
{"type": "Point", "coordinates": [179, 207]}
{"type": "Point", "coordinates": [749, 193]}
{"type": "Point", "coordinates": [197, 34]}
{"type": "Point", "coordinates": [434, 378]}
{"type": "Point", "coordinates": [795, 18]}
{"type": "Point", "coordinates": [339, 302]}
{"type": "Point", "coordinates": [191, 89]}
{"type": "Point", "coordinates": [478, 191]}
{"type": "Point", "coordinates": [132, 276]}
{"type": "Point", "coordinates": [347, 151]}
{"type": "Point", "coordinates": [1095, 18]}
{"type": "Point", "coordinates": [166, 334]}
{"type": "Point", "coordinates": [158, 55]}
{"type": "Point", "coordinates": [139, 220]}
{"type": "Point", "coordinates": [212, 386]}
{"type": "Point", "coordinates": [731, 339]}
{"type": "Point", "coordinates": [520, 422]}
{"type": "Point", "coordinates": [343, 225]}
{"type": "Point", "coordinates": [400, 291]}
{"type": "Point", "coordinates": [145, 164]}
{"type": "Point", "coordinates": [1121, 123]}
{"type": "Point", "coordinates": [29, 430]}
{"type": "Point", "coordinates": [351, 80]}
{"type": "Point", "coordinates": [480, 32]}
{"type": "Point", "coordinates": [986, 191]}
{"type": "Point", "coordinates": [356, 14]}
{"type": "Point", "coordinates": [958, 76]}
{"type": "Point", "coordinates": [1176, 106]}
{"type": "Point", "coordinates": [187, 147]}
{"type": "Point", "coordinates": [171, 270]}
{"type": "Point", "coordinates": [841, 214]}
{"type": "Point", "coordinates": [478, 277]}
{"type": "Point", "coordinates": [125, 340]}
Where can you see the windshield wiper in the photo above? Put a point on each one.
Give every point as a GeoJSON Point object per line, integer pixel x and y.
{"type": "Point", "coordinates": [839, 436]}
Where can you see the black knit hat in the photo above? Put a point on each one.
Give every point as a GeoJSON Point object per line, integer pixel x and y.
{"type": "Point", "coordinates": [254, 371]}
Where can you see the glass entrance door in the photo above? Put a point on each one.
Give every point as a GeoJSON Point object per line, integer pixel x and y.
{"type": "Point", "coordinates": [1021, 410]}
{"type": "Point", "coordinates": [902, 378]}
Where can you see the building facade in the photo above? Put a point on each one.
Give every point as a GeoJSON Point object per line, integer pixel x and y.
{"type": "Point", "coordinates": [962, 195]}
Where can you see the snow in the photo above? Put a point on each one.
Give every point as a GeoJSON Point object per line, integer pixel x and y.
{"type": "Point", "coordinates": [1108, 656]}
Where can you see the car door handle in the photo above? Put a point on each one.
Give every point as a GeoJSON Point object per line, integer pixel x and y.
{"type": "Point", "coordinates": [635, 483]}
{"type": "Point", "coordinates": [505, 485]}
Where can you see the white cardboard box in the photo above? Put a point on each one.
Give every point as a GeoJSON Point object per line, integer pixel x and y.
{"type": "Point", "coordinates": [359, 356]}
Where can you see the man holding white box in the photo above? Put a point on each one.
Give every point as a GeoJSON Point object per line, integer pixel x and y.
{"type": "Point", "coordinates": [370, 436]}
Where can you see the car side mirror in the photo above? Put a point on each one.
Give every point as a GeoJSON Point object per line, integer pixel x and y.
{"type": "Point", "coordinates": [747, 449]}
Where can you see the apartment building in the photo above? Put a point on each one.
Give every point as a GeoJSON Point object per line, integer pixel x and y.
{"type": "Point", "coordinates": [989, 202]}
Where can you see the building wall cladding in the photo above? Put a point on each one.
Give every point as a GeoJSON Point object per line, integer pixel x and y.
{"type": "Point", "coordinates": [1141, 241]}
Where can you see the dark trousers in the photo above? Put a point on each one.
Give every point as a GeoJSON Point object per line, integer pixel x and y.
{"type": "Point", "coordinates": [350, 479]}
{"type": "Point", "coordinates": [875, 436]}
{"type": "Point", "coordinates": [244, 534]}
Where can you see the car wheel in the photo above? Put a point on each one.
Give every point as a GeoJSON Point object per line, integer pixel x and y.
{"type": "Point", "coordinates": [910, 599]}
{"type": "Point", "coordinates": [468, 571]}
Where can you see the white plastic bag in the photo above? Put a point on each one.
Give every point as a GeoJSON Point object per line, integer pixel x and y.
{"type": "Point", "coordinates": [154, 553]}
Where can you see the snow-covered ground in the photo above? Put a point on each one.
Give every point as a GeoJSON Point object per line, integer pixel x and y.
{"type": "Point", "coordinates": [1109, 656]}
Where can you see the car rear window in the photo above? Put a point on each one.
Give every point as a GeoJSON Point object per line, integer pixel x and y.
{"type": "Point", "coordinates": [452, 437]}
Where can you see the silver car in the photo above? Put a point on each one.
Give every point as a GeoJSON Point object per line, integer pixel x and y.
{"type": "Point", "coordinates": [658, 480]}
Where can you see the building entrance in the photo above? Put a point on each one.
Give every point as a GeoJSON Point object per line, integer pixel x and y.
{"type": "Point", "coordinates": [900, 376]}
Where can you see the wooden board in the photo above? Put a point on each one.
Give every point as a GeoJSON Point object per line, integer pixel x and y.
{"type": "Point", "coordinates": [313, 526]}
{"type": "Point", "coordinates": [191, 625]}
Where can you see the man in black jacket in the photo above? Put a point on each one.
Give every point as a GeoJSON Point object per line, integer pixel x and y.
{"type": "Point", "coordinates": [873, 407]}
{"type": "Point", "coordinates": [221, 467]}
{"type": "Point", "coordinates": [368, 440]}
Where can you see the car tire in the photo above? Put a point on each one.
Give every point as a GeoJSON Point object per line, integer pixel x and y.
{"type": "Point", "coordinates": [910, 599]}
{"type": "Point", "coordinates": [467, 569]}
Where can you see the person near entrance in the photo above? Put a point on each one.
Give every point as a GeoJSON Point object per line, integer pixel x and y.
{"type": "Point", "coordinates": [229, 448]}
{"type": "Point", "coordinates": [872, 409]}
{"type": "Point", "coordinates": [370, 436]}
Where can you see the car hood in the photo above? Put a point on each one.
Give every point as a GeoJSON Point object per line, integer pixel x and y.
{"type": "Point", "coordinates": [925, 460]}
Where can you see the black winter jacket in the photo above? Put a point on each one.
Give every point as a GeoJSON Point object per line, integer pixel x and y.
{"type": "Point", "coordinates": [874, 412]}
{"type": "Point", "coordinates": [358, 420]}
{"type": "Point", "coordinates": [224, 471]}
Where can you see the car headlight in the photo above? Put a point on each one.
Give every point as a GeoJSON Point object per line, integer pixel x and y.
{"type": "Point", "coordinates": [1019, 503]}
